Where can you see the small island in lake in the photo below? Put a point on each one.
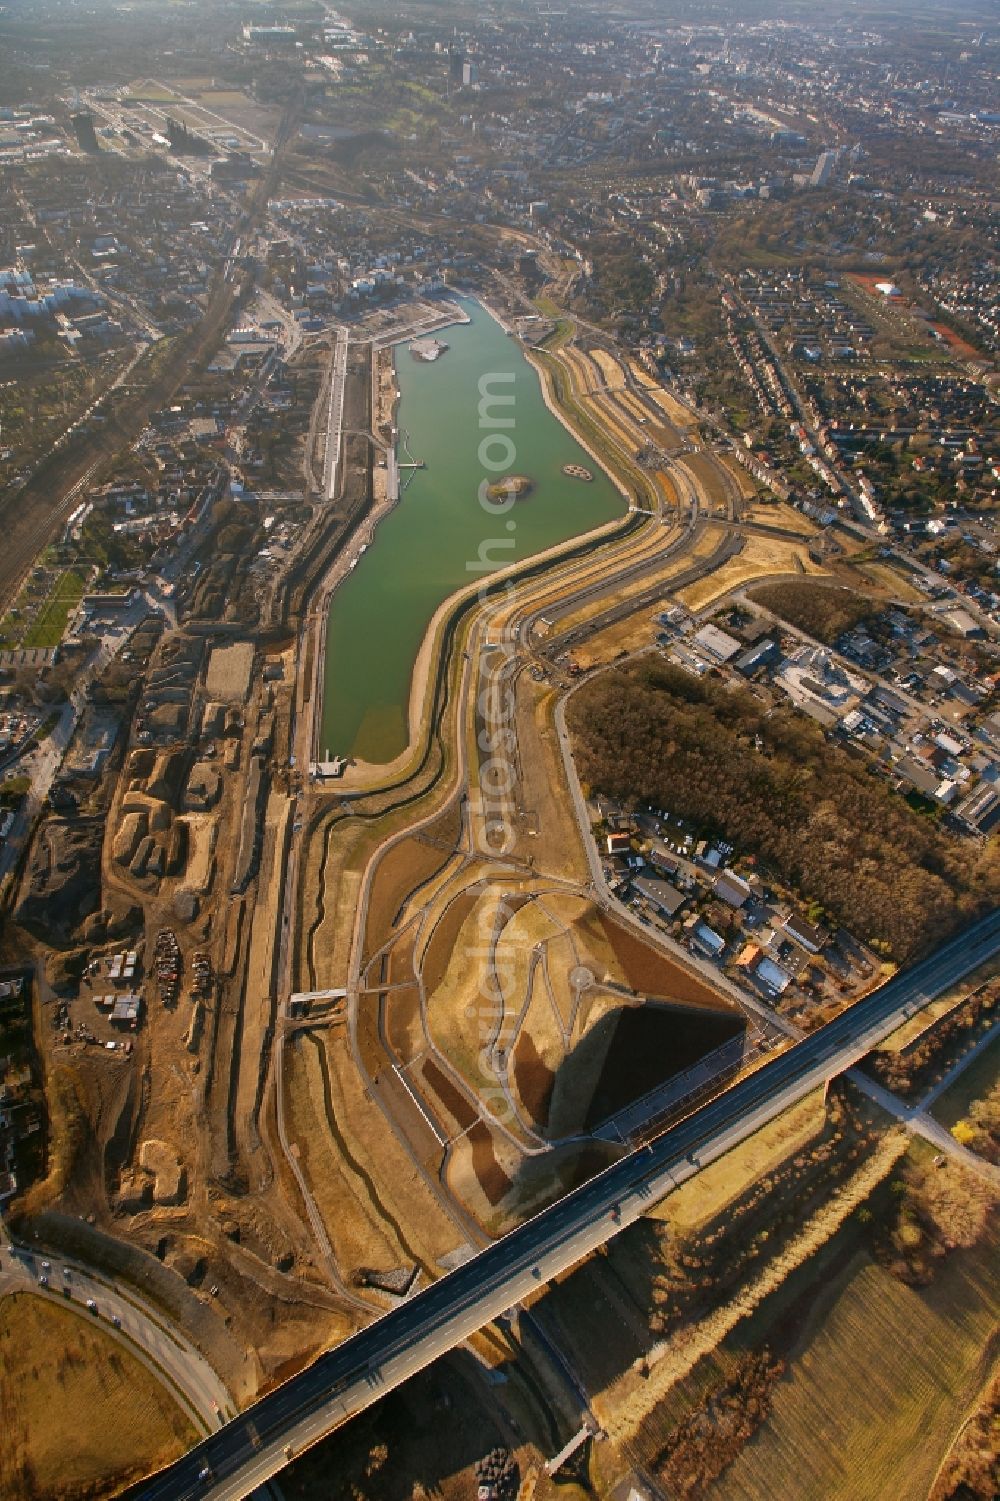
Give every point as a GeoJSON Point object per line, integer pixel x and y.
{"type": "Point", "coordinates": [427, 349]}
{"type": "Point", "coordinates": [577, 471]}
{"type": "Point", "coordinates": [516, 485]}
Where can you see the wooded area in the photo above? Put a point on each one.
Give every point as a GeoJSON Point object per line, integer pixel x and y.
{"type": "Point", "coordinates": [821, 610]}
{"type": "Point", "coordinates": [771, 784]}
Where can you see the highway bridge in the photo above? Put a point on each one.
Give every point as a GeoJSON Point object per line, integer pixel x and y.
{"type": "Point", "coordinates": [250, 1449]}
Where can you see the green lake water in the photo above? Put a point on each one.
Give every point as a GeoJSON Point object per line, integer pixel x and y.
{"type": "Point", "coordinates": [422, 551]}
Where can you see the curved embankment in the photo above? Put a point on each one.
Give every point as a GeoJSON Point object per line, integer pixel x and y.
{"type": "Point", "coordinates": [402, 784]}
{"type": "Point", "coordinates": [412, 777]}
{"type": "Point", "coordinates": [429, 774]}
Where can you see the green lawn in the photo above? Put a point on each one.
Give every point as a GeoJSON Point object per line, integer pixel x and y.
{"type": "Point", "coordinates": [49, 624]}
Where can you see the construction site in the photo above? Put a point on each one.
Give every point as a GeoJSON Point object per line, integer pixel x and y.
{"type": "Point", "coordinates": [366, 1018]}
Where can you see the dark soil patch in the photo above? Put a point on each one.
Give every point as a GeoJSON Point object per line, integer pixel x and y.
{"type": "Point", "coordinates": [400, 969]}
{"type": "Point", "coordinates": [440, 945]}
{"type": "Point", "coordinates": [407, 866]}
{"type": "Point", "coordinates": [650, 973]}
{"type": "Point", "coordinates": [402, 1019]}
{"type": "Point", "coordinates": [62, 886]}
{"type": "Point", "coordinates": [533, 1078]}
{"type": "Point", "coordinates": [451, 1097]}
{"type": "Point", "coordinates": [492, 1178]}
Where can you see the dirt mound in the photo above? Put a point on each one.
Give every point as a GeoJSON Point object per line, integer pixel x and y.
{"type": "Point", "coordinates": [213, 721]}
{"type": "Point", "coordinates": [144, 856]}
{"type": "Point", "coordinates": [135, 1193]}
{"type": "Point", "coordinates": [160, 1160]}
{"type": "Point", "coordinates": [156, 810]}
{"type": "Point", "coordinates": [177, 849]}
{"type": "Point", "coordinates": [103, 926]}
{"type": "Point", "coordinates": [132, 829]}
{"type": "Point", "coordinates": [167, 777]}
{"type": "Point", "coordinates": [62, 885]}
{"type": "Point", "coordinates": [140, 765]}
{"type": "Point", "coordinates": [167, 719]}
{"type": "Point", "coordinates": [204, 785]}
{"type": "Point", "coordinates": [63, 971]}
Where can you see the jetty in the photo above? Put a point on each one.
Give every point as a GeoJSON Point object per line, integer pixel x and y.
{"type": "Point", "coordinates": [408, 463]}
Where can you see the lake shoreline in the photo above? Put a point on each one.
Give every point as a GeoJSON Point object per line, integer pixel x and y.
{"type": "Point", "coordinates": [541, 444]}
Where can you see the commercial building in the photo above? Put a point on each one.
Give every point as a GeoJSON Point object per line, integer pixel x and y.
{"type": "Point", "coordinates": [715, 644]}
{"type": "Point", "coordinates": [823, 170]}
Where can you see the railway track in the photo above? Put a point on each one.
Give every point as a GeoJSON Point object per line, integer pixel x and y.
{"type": "Point", "coordinates": [32, 516]}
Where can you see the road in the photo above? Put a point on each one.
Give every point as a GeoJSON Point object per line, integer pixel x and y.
{"type": "Point", "coordinates": [231, 1463]}
{"type": "Point", "coordinates": [959, 1067]}
{"type": "Point", "coordinates": [919, 1123]}
{"type": "Point", "coordinates": [140, 1328]}
{"type": "Point", "coordinates": [760, 1016]}
{"type": "Point", "coordinates": [335, 415]}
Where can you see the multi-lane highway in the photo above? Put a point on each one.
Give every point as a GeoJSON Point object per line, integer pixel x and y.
{"type": "Point", "coordinates": [124, 1317]}
{"type": "Point", "coordinates": [250, 1449]}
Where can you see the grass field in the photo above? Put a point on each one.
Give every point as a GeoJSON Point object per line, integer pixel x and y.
{"type": "Point", "coordinates": [892, 579]}
{"type": "Point", "coordinates": [940, 1006]}
{"type": "Point", "coordinates": [879, 1382]}
{"type": "Point", "coordinates": [761, 557]}
{"type": "Point", "coordinates": [748, 485]}
{"type": "Point", "coordinates": [610, 368]}
{"type": "Point", "coordinates": [628, 635]}
{"type": "Point", "coordinates": [702, 1198]}
{"type": "Point", "coordinates": [50, 623]}
{"type": "Point", "coordinates": [81, 1417]}
{"type": "Point", "coordinates": [358, 1235]}
{"type": "Point", "coordinates": [780, 513]}
{"type": "Point", "coordinates": [45, 627]}
{"type": "Point", "coordinates": [150, 92]}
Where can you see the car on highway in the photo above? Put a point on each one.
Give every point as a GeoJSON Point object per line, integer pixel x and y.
{"type": "Point", "coordinates": [91, 1305]}
{"type": "Point", "coordinates": [43, 1280]}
